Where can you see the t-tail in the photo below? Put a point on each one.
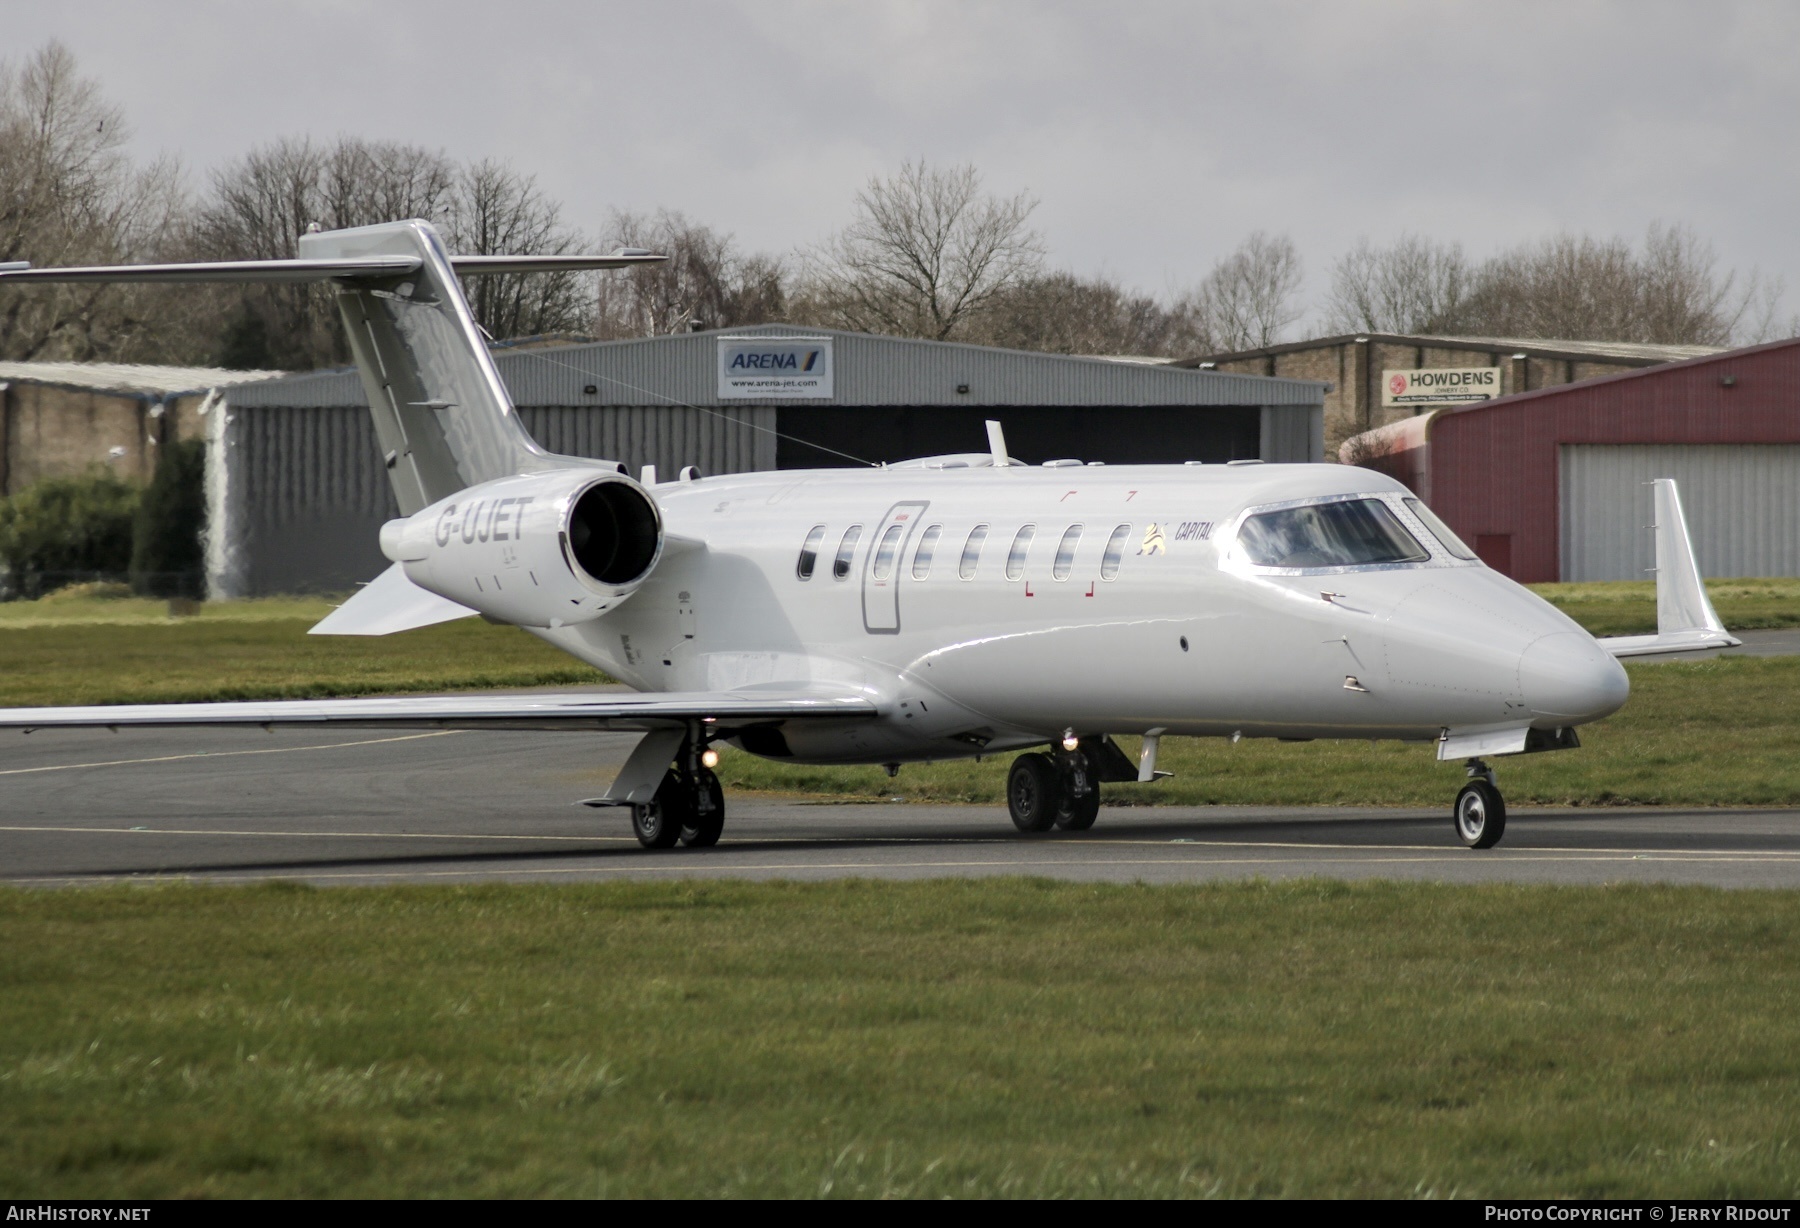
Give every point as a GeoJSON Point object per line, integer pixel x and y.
{"type": "Point", "coordinates": [443, 417]}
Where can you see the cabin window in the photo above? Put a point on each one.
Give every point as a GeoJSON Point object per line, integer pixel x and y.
{"type": "Point", "coordinates": [927, 547]}
{"type": "Point", "coordinates": [1065, 552]}
{"type": "Point", "coordinates": [840, 567]}
{"type": "Point", "coordinates": [1115, 550]}
{"type": "Point", "coordinates": [972, 552]}
{"type": "Point", "coordinates": [1440, 530]}
{"type": "Point", "coordinates": [1015, 558]}
{"type": "Point", "coordinates": [1348, 533]}
{"type": "Point", "coordinates": [809, 553]}
{"type": "Point", "coordinates": [884, 551]}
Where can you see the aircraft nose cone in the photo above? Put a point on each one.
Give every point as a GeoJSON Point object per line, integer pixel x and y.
{"type": "Point", "coordinates": [1568, 675]}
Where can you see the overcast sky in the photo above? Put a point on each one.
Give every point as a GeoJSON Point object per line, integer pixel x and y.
{"type": "Point", "coordinates": [1156, 135]}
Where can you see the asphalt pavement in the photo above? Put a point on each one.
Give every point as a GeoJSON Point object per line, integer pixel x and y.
{"type": "Point", "coordinates": [364, 807]}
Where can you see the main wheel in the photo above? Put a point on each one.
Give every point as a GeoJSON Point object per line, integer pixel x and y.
{"type": "Point", "coordinates": [1079, 813]}
{"type": "Point", "coordinates": [658, 825]}
{"type": "Point", "coordinates": [1033, 792]}
{"type": "Point", "coordinates": [703, 831]}
{"type": "Point", "coordinates": [1480, 815]}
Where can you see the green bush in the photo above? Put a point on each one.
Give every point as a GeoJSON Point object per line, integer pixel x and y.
{"type": "Point", "coordinates": [167, 559]}
{"type": "Point", "coordinates": [66, 531]}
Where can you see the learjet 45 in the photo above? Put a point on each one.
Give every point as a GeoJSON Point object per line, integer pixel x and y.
{"type": "Point", "coordinates": [941, 608]}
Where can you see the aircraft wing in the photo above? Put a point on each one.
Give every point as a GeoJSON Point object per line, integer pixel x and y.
{"type": "Point", "coordinates": [618, 710]}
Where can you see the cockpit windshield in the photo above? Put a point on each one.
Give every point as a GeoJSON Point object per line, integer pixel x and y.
{"type": "Point", "coordinates": [1347, 533]}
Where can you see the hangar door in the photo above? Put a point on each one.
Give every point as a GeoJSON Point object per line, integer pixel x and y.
{"type": "Point", "coordinates": [1742, 503]}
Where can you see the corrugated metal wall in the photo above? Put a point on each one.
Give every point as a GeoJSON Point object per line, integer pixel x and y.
{"type": "Point", "coordinates": [879, 371]}
{"type": "Point", "coordinates": [1293, 432]}
{"type": "Point", "coordinates": [1495, 467]}
{"type": "Point", "coordinates": [1742, 503]}
{"type": "Point", "coordinates": [738, 439]}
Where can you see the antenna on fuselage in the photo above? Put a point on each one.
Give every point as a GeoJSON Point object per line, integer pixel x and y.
{"type": "Point", "coordinates": [997, 445]}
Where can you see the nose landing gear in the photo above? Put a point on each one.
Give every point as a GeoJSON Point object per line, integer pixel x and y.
{"type": "Point", "coordinates": [1480, 812]}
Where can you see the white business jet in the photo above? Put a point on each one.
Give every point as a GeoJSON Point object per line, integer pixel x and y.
{"type": "Point", "coordinates": [941, 608]}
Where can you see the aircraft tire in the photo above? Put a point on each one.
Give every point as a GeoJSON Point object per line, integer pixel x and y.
{"type": "Point", "coordinates": [703, 833]}
{"type": "Point", "coordinates": [1479, 815]}
{"type": "Point", "coordinates": [658, 825]}
{"type": "Point", "coordinates": [1079, 813]}
{"type": "Point", "coordinates": [1033, 792]}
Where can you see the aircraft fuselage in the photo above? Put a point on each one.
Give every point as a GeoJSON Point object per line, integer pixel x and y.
{"type": "Point", "coordinates": [1132, 606]}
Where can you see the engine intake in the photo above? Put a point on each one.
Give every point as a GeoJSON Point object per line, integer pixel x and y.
{"type": "Point", "coordinates": [614, 533]}
{"type": "Point", "coordinates": [539, 550]}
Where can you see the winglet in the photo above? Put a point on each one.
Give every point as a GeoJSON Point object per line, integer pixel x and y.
{"type": "Point", "coordinates": [1685, 618]}
{"type": "Point", "coordinates": [389, 603]}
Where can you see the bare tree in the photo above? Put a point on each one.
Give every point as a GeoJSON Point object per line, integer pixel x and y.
{"type": "Point", "coordinates": [1414, 286]}
{"type": "Point", "coordinates": [262, 203]}
{"type": "Point", "coordinates": [1061, 313]}
{"type": "Point", "coordinates": [496, 211]}
{"type": "Point", "coordinates": [1248, 300]}
{"type": "Point", "coordinates": [927, 254]}
{"type": "Point", "coordinates": [70, 195]}
{"type": "Point", "coordinates": [704, 284]}
{"type": "Point", "coordinates": [1681, 294]}
{"type": "Point", "coordinates": [1573, 287]}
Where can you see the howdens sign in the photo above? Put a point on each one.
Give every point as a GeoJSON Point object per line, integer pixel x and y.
{"type": "Point", "coordinates": [762, 368]}
{"type": "Point", "coordinates": [1440, 386]}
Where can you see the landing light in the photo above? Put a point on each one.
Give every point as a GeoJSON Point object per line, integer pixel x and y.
{"type": "Point", "coordinates": [709, 757]}
{"type": "Point", "coordinates": [1070, 741]}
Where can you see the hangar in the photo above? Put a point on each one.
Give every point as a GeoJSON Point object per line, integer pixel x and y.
{"type": "Point", "coordinates": [1361, 368]}
{"type": "Point", "coordinates": [297, 496]}
{"type": "Point", "coordinates": [1550, 485]}
{"type": "Point", "coordinates": [58, 419]}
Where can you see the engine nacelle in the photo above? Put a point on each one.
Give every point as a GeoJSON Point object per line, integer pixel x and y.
{"type": "Point", "coordinates": [542, 550]}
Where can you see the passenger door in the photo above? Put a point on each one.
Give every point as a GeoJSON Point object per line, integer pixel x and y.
{"type": "Point", "coordinates": [881, 569]}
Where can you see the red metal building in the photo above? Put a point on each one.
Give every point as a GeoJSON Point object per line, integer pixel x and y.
{"type": "Point", "coordinates": [1545, 484]}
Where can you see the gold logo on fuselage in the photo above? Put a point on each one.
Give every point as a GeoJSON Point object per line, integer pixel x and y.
{"type": "Point", "coordinates": [1153, 540]}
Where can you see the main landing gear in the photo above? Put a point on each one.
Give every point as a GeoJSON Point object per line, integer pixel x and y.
{"type": "Point", "coordinates": [1480, 811]}
{"type": "Point", "coordinates": [1053, 790]}
{"type": "Point", "coordinates": [688, 805]}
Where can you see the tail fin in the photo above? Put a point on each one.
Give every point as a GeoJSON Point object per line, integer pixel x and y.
{"type": "Point", "coordinates": [442, 415]}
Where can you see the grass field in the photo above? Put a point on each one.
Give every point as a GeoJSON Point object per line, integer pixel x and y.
{"type": "Point", "coordinates": [82, 650]}
{"type": "Point", "coordinates": [961, 1038]}
{"type": "Point", "coordinates": [1629, 607]}
{"type": "Point", "coordinates": [999, 1037]}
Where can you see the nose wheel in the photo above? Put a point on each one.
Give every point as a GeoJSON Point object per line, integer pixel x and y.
{"type": "Point", "coordinates": [1480, 812]}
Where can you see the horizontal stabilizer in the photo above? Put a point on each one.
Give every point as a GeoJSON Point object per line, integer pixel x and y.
{"type": "Point", "coordinates": [349, 268]}
{"type": "Point", "coordinates": [389, 603]}
{"type": "Point", "coordinates": [228, 270]}
{"type": "Point", "coordinates": [1685, 618]}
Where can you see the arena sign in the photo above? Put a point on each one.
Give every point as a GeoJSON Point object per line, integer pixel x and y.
{"type": "Point", "coordinates": [1439, 386]}
{"type": "Point", "coordinates": [764, 368]}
